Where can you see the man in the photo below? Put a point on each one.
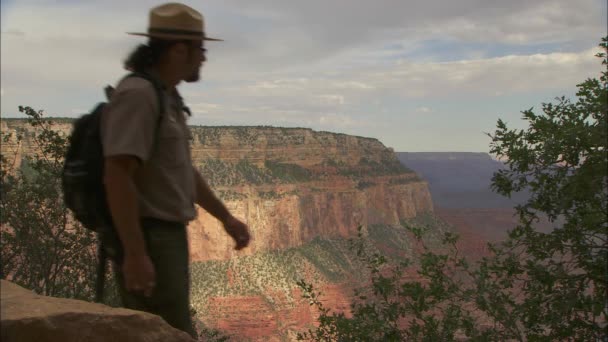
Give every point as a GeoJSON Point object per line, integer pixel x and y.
{"type": "Point", "coordinates": [150, 182]}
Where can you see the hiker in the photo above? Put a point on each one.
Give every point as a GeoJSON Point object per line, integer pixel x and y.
{"type": "Point", "coordinates": [150, 182]}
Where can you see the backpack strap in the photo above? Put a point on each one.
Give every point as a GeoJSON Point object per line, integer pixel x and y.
{"type": "Point", "coordinates": [108, 90]}
{"type": "Point", "coordinates": [158, 87]}
{"type": "Point", "coordinates": [161, 100]}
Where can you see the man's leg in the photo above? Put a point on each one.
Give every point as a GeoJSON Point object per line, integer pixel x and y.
{"type": "Point", "coordinates": [167, 246]}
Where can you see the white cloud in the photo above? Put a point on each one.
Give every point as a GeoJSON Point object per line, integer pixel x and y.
{"type": "Point", "coordinates": [13, 32]}
{"type": "Point", "coordinates": [332, 99]}
{"type": "Point", "coordinates": [351, 85]}
{"type": "Point", "coordinates": [434, 80]}
{"type": "Point", "coordinates": [503, 75]}
{"type": "Point", "coordinates": [264, 85]}
{"type": "Point", "coordinates": [336, 120]}
{"type": "Point", "coordinates": [423, 110]}
{"type": "Point", "coordinates": [311, 31]}
{"type": "Point", "coordinates": [205, 108]}
{"type": "Point", "coordinates": [280, 84]}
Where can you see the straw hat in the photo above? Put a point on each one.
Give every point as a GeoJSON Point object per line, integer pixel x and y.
{"type": "Point", "coordinates": [175, 21]}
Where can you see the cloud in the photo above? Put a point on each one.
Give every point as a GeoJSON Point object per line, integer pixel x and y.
{"type": "Point", "coordinates": [434, 80]}
{"type": "Point", "coordinates": [202, 108]}
{"type": "Point", "coordinates": [423, 110]}
{"type": "Point", "coordinates": [335, 120]}
{"type": "Point", "coordinates": [13, 32]}
{"type": "Point", "coordinates": [275, 114]}
{"type": "Point", "coordinates": [332, 99]}
{"type": "Point", "coordinates": [357, 85]}
{"type": "Point", "coordinates": [315, 31]}
{"type": "Point", "coordinates": [71, 42]}
{"type": "Point", "coordinates": [346, 65]}
{"type": "Point", "coordinates": [280, 84]}
{"type": "Point", "coordinates": [501, 75]}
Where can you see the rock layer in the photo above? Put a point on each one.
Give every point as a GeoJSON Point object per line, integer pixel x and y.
{"type": "Point", "coordinates": [294, 184]}
{"type": "Point", "coordinates": [26, 316]}
{"type": "Point", "coordinates": [289, 184]}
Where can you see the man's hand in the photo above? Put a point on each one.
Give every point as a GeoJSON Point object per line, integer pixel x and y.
{"type": "Point", "coordinates": [233, 226]}
{"type": "Point", "coordinates": [238, 231]}
{"type": "Point", "coordinates": [139, 274]}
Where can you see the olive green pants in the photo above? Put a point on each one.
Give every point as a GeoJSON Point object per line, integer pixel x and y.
{"type": "Point", "coordinates": [167, 246]}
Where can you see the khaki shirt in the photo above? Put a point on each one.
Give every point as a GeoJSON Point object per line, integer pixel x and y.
{"type": "Point", "coordinates": [165, 180]}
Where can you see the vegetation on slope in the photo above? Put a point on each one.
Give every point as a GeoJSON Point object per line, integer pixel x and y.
{"type": "Point", "coordinates": [264, 274]}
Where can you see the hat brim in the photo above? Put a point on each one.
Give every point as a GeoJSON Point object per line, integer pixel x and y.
{"type": "Point", "coordinates": [174, 36]}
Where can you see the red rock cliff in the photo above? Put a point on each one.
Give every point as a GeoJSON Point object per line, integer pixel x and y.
{"type": "Point", "coordinates": [291, 185]}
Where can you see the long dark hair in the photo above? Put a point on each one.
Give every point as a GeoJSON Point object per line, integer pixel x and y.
{"type": "Point", "coordinates": [148, 55]}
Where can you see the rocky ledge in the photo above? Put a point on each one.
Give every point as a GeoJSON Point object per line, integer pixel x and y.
{"type": "Point", "coordinates": [26, 316]}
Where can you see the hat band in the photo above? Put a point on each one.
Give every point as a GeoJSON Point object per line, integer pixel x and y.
{"type": "Point", "coordinates": [176, 32]}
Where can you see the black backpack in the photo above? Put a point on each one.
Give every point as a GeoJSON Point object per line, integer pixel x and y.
{"type": "Point", "coordinates": [82, 176]}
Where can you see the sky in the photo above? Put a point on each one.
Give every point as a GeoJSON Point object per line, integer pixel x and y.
{"type": "Point", "coordinates": [420, 76]}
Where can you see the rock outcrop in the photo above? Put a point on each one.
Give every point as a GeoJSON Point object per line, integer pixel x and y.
{"type": "Point", "coordinates": [27, 317]}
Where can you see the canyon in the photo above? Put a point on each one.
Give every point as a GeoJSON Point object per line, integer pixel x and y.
{"type": "Point", "coordinates": [289, 184]}
{"type": "Point", "coordinates": [304, 194]}
{"type": "Point", "coordinates": [292, 185]}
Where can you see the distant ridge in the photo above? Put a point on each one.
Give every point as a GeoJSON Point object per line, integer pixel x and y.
{"type": "Point", "coordinates": [446, 155]}
{"type": "Point", "coordinates": [459, 179]}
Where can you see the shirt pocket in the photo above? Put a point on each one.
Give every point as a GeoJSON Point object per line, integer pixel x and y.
{"type": "Point", "coordinates": [172, 145]}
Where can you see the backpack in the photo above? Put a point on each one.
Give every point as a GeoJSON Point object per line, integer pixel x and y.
{"type": "Point", "coordinates": [82, 175]}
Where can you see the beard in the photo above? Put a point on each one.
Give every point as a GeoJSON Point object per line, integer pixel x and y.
{"type": "Point", "coordinates": [195, 73]}
{"type": "Point", "coordinates": [195, 62]}
{"type": "Point", "coordinates": [194, 77]}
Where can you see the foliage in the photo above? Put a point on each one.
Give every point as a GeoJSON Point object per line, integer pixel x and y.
{"type": "Point", "coordinates": [362, 184]}
{"type": "Point", "coordinates": [288, 173]}
{"type": "Point", "coordinates": [392, 240]}
{"type": "Point", "coordinates": [562, 160]}
{"type": "Point", "coordinates": [385, 165]}
{"type": "Point", "coordinates": [221, 173]}
{"type": "Point", "coordinates": [320, 260]}
{"type": "Point", "coordinates": [205, 333]}
{"type": "Point", "coordinates": [43, 248]}
{"type": "Point", "coordinates": [536, 286]}
{"type": "Point", "coordinates": [397, 308]}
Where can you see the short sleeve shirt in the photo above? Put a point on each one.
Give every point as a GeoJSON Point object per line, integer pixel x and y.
{"type": "Point", "coordinates": [130, 126]}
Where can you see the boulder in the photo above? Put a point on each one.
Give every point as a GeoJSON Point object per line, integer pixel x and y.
{"type": "Point", "coordinates": [26, 316]}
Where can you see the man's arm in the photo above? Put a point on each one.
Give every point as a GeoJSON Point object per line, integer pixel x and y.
{"type": "Point", "coordinates": [208, 201]}
{"type": "Point", "coordinates": [121, 195]}
{"type": "Point", "coordinates": [122, 200]}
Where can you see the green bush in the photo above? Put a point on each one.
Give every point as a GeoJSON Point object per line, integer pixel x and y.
{"type": "Point", "coordinates": [42, 247]}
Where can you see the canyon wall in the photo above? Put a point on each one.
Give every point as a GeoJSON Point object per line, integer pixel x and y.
{"type": "Point", "coordinates": [294, 184]}
{"type": "Point", "coordinates": [302, 193]}
{"type": "Point", "coordinates": [289, 184]}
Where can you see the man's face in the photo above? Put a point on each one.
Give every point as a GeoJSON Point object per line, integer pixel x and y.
{"type": "Point", "coordinates": [194, 61]}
